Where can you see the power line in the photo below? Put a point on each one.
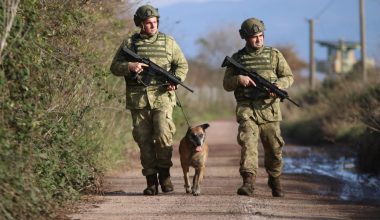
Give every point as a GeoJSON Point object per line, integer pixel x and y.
{"type": "Point", "coordinates": [324, 9]}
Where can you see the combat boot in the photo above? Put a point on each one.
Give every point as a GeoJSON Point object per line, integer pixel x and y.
{"type": "Point", "coordinates": [164, 178]}
{"type": "Point", "coordinates": [275, 184]}
{"type": "Point", "coordinates": [248, 184]}
{"type": "Point", "coordinates": [152, 185]}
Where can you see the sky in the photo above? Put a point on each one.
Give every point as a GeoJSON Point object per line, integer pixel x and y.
{"type": "Point", "coordinates": [286, 21]}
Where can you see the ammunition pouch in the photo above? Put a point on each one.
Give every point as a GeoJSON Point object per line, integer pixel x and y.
{"type": "Point", "coordinates": [251, 93]}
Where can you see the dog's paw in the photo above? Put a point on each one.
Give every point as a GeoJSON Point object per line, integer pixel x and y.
{"type": "Point", "coordinates": [196, 193]}
{"type": "Point", "coordinates": [188, 189]}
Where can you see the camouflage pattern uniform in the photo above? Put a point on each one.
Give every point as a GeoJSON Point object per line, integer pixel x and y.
{"type": "Point", "coordinates": [257, 113]}
{"type": "Point", "coordinates": [151, 105]}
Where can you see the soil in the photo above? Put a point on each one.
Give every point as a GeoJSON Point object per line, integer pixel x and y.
{"type": "Point", "coordinates": [306, 196]}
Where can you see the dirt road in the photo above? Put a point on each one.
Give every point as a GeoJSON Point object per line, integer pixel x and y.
{"type": "Point", "coordinates": [307, 196]}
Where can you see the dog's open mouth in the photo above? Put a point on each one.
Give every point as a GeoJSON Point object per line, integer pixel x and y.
{"type": "Point", "coordinates": [198, 149]}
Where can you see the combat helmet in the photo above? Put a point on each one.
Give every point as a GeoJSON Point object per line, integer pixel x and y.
{"type": "Point", "coordinates": [250, 27]}
{"type": "Point", "coordinates": [144, 12]}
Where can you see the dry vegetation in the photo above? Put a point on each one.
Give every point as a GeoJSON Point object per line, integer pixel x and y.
{"type": "Point", "coordinates": [344, 111]}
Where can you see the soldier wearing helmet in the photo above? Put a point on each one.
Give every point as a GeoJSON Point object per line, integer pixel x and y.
{"type": "Point", "coordinates": [258, 112]}
{"type": "Point", "coordinates": [150, 100]}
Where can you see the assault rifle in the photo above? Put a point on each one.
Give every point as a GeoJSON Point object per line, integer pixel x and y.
{"type": "Point", "coordinates": [259, 80]}
{"type": "Point", "coordinates": [153, 68]}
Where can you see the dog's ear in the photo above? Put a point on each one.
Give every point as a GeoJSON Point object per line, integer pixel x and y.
{"type": "Point", "coordinates": [205, 126]}
{"type": "Point", "coordinates": [188, 130]}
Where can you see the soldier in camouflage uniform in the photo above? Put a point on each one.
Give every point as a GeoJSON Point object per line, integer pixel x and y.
{"type": "Point", "coordinates": [149, 99]}
{"type": "Point", "coordinates": [258, 112]}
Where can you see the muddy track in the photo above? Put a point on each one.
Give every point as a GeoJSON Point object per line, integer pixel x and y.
{"type": "Point", "coordinates": [307, 196]}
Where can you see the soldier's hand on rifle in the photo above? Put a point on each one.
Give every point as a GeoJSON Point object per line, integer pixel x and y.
{"type": "Point", "coordinates": [272, 94]}
{"type": "Point", "coordinates": [136, 67]}
{"type": "Point", "coordinates": [171, 87]}
{"type": "Point", "coordinates": [246, 81]}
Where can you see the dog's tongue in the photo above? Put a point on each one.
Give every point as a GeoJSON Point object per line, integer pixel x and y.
{"type": "Point", "coordinates": [198, 149]}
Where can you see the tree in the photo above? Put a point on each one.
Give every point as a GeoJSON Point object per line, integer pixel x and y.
{"type": "Point", "coordinates": [295, 63]}
{"type": "Point", "coordinates": [217, 44]}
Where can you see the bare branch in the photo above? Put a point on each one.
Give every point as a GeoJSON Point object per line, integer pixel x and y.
{"type": "Point", "coordinates": [10, 10]}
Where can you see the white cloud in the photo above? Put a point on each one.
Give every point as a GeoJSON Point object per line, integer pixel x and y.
{"type": "Point", "coordinates": [165, 3]}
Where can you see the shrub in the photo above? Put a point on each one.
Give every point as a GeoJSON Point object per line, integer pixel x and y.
{"type": "Point", "coordinates": [54, 98]}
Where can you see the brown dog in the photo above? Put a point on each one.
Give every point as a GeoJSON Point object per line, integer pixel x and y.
{"type": "Point", "coordinates": [193, 152]}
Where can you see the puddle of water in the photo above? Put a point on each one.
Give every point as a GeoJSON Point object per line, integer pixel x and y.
{"type": "Point", "coordinates": [335, 163]}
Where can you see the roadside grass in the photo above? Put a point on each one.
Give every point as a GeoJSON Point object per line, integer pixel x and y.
{"type": "Point", "coordinates": [343, 111]}
{"type": "Point", "coordinates": [55, 100]}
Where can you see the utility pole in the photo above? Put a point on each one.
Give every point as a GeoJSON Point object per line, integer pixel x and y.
{"type": "Point", "coordinates": [362, 41]}
{"type": "Point", "coordinates": [311, 55]}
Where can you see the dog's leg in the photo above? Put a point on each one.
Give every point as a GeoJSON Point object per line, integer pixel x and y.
{"type": "Point", "coordinates": [186, 178]}
{"type": "Point", "coordinates": [196, 190]}
{"type": "Point", "coordinates": [201, 174]}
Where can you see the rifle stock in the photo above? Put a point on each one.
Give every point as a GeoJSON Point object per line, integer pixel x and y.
{"type": "Point", "coordinates": [133, 57]}
{"type": "Point", "coordinates": [282, 94]}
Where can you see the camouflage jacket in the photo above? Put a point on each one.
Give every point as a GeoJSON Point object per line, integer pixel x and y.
{"type": "Point", "coordinates": [139, 96]}
{"type": "Point", "coordinates": [269, 63]}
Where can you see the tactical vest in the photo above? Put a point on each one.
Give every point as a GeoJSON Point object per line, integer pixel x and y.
{"type": "Point", "coordinates": [262, 65]}
{"type": "Point", "coordinates": [154, 51]}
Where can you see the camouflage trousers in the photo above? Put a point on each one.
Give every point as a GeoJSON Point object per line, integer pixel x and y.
{"type": "Point", "coordinates": [153, 131]}
{"type": "Point", "coordinates": [248, 136]}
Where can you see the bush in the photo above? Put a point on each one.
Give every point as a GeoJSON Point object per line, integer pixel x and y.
{"type": "Point", "coordinates": [55, 101]}
{"type": "Point", "coordinates": [369, 142]}
{"type": "Point", "coordinates": [369, 152]}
